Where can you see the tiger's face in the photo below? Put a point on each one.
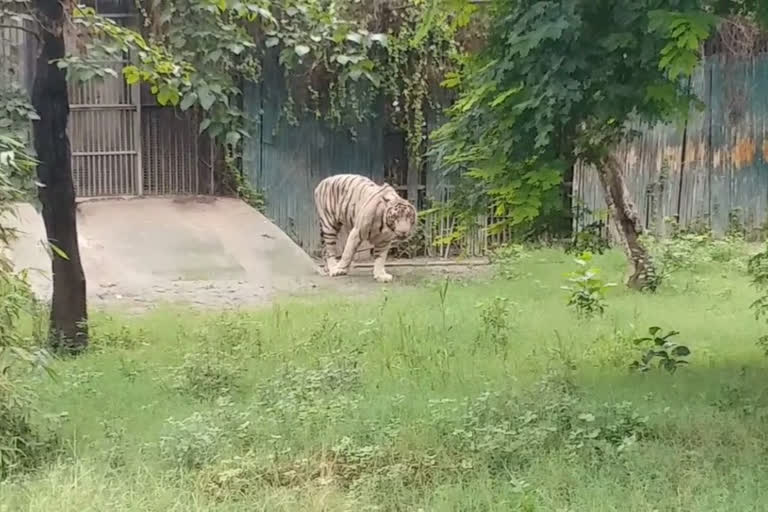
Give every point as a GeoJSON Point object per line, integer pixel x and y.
{"type": "Point", "coordinates": [400, 217]}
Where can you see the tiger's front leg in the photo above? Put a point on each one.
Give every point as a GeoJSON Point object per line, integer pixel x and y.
{"type": "Point", "coordinates": [380, 259]}
{"type": "Point", "coordinates": [350, 248]}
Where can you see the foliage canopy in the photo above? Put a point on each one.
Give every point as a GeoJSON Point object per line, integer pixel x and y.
{"type": "Point", "coordinates": [561, 81]}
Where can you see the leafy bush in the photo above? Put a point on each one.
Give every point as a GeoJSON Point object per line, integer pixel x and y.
{"type": "Point", "coordinates": [611, 349]}
{"type": "Point", "coordinates": [23, 444]}
{"type": "Point", "coordinates": [310, 396]}
{"type": "Point", "coordinates": [587, 290]}
{"type": "Point", "coordinates": [203, 438]}
{"type": "Point", "coordinates": [220, 350]}
{"type": "Point", "coordinates": [757, 268]}
{"type": "Point", "coordinates": [506, 434]}
{"type": "Point", "coordinates": [589, 239]}
{"type": "Point", "coordinates": [506, 260]}
{"type": "Point", "coordinates": [120, 337]}
{"type": "Point", "coordinates": [689, 250]}
{"type": "Point", "coordinates": [497, 323]}
{"type": "Point", "coordinates": [658, 347]}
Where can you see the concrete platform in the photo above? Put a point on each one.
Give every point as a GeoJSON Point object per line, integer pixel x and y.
{"type": "Point", "coordinates": [134, 248]}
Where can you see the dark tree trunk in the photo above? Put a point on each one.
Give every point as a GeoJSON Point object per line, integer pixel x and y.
{"type": "Point", "coordinates": [68, 329]}
{"type": "Point", "coordinates": [627, 222]}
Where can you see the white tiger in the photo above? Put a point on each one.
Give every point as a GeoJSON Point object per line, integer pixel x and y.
{"type": "Point", "coordinates": [372, 212]}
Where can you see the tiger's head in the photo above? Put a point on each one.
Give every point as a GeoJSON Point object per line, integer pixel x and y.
{"type": "Point", "coordinates": [399, 216]}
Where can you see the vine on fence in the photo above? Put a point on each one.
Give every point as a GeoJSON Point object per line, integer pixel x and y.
{"type": "Point", "coordinates": [337, 59]}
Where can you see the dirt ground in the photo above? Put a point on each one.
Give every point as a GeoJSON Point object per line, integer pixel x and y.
{"type": "Point", "coordinates": [243, 294]}
{"type": "Point", "coordinates": [200, 251]}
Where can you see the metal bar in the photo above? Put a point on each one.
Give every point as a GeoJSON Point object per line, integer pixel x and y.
{"type": "Point", "coordinates": [126, 15]}
{"type": "Point", "coordinates": [212, 165]}
{"type": "Point", "coordinates": [195, 140]}
{"type": "Point", "coordinates": [113, 106]}
{"type": "Point", "coordinates": [427, 263]}
{"type": "Point", "coordinates": [103, 153]}
{"type": "Point", "coordinates": [136, 93]}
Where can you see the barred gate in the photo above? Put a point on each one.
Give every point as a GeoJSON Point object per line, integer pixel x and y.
{"type": "Point", "coordinates": [104, 131]}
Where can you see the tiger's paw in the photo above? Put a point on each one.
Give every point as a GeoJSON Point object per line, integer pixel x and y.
{"type": "Point", "coordinates": [337, 270]}
{"type": "Point", "coordinates": [383, 277]}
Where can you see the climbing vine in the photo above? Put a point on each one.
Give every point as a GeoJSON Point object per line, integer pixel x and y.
{"type": "Point", "coordinates": [339, 60]}
{"type": "Point", "coordinates": [336, 59]}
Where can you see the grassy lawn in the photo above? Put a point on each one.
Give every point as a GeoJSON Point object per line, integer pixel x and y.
{"type": "Point", "coordinates": [489, 395]}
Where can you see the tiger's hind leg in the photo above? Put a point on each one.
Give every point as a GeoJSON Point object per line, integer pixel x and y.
{"type": "Point", "coordinates": [328, 236]}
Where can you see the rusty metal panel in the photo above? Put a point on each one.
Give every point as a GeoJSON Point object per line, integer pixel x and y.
{"type": "Point", "coordinates": [714, 166]}
{"type": "Point", "coordinates": [739, 134]}
{"type": "Point", "coordinates": [692, 206]}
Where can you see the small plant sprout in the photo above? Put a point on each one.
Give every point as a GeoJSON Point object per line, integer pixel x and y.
{"type": "Point", "coordinates": [587, 295]}
{"type": "Point", "coordinates": [655, 346]}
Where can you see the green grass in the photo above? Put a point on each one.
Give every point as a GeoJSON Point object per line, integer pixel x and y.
{"type": "Point", "coordinates": [403, 403]}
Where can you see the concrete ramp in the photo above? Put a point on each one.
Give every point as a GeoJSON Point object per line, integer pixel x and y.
{"type": "Point", "coordinates": [180, 249]}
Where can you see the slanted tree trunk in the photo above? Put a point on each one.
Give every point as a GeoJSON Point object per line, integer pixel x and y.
{"type": "Point", "coordinates": [627, 223]}
{"type": "Point", "coordinates": [68, 327]}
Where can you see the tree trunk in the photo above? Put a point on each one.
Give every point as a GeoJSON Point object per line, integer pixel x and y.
{"type": "Point", "coordinates": [642, 274]}
{"type": "Point", "coordinates": [68, 323]}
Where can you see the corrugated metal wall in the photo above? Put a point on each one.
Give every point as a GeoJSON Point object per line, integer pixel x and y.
{"type": "Point", "coordinates": [287, 162]}
{"type": "Point", "coordinates": [704, 170]}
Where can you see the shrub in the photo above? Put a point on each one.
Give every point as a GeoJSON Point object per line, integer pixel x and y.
{"type": "Point", "coordinates": [587, 290]}
{"type": "Point", "coordinates": [506, 260]}
{"type": "Point", "coordinates": [221, 349]}
{"type": "Point", "coordinates": [203, 438]}
{"type": "Point", "coordinates": [589, 239]}
{"type": "Point", "coordinates": [655, 346]}
{"type": "Point", "coordinates": [497, 324]}
{"type": "Point", "coordinates": [23, 444]}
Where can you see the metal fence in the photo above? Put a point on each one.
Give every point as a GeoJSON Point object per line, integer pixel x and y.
{"type": "Point", "coordinates": [287, 161]}
{"type": "Point", "coordinates": [711, 171]}
{"type": "Point", "coordinates": [123, 143]}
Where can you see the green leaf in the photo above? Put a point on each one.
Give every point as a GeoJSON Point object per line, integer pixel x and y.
{"type": "Point", "coordinates": [57, 251]}
{"type": "Point", "coordinates": [373, 78]}
{"type": "Point", "coordinates": [681, 351]}
{"type": "Point", "coordinates": [188, 100]}
{"type": "Point", "coordinates": [232, 138]}
{"type": "Point", "coordinates": [301, 49]}
{"type": "Point", "coordinates": [206, 97]}
{"type": "Point", "coordinates": [131, 74]}
{"type": "Point", "coordinates": [342, 59]}
{"type": "Point", "coordinates": [354, 37]}
{"type": "Point", "coordinates": [272, 41]}
{"type": "Point", "coordinates": [164, 95]}
{"type": "Point", "coordinates": [451, 80]}
{"type": "Point", "coordinates": [204, 125]}
{"type": "Point", "coordinates": [503, 96]}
